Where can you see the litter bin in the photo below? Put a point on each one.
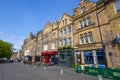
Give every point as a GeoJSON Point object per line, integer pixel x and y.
{"type": "Point", "coordinates": [78, 69]}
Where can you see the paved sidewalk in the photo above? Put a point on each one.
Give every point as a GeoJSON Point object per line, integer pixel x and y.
{"type": "Point", "coordinates": [18, 71]}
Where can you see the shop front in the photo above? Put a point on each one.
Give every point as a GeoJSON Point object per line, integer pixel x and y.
{"type": "Point", "coordinates": [49, 57]}
{"type": "Point", "coordinates": [27, 59]}
{"type": "Point", "coordinates": [90, 57]}
{"type": "Point", "coordinates": [65, 57]}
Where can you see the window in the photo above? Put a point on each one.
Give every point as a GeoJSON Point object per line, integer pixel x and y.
{"type": "Point", "coordinates": [89, 21]}
{"type": "Point", "coordinates": [65, 42]}
{"type": "Point", "coordinates": [69, 41]}
{"type": "Point", "coordinates": [65, 21]}
{"type": "Point", "coordinates": [60, 43]}
{"type": "Point", "coordinates": [60, 34]}
{"type": "Point", "coordinates": [85, 23]}
{"type": "Point", "coordinates": [83, 9]}
{"type": "Point", "coordinates": [90, 37]}
{"type": "Point", "coordinates": [53, 35]}
{"type": "Point", "coordinates": [54, 26]}
{"type": "Point", "coordinates": [88, 57]}
{"type": "Point", "coordinates": [81, 39]}
{"type": "Point", "coordinates": [86, 37]}
{"type": "Point", "coordinates": [100, 57]}
{"type": "Point", "coordinates": [81, 25]}
{"type": "Point", "coordinates": [117, 5]}
{"type": "Point", "coordinates": [46, 47]}
{"type": "Point", "coordinates": [69, 29]}
{"type": "Point", "coordinates": [65, 31]}
{"type": "Point", "coordinates": [53, 46]}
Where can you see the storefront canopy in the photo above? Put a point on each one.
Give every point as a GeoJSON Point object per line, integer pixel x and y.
{"type": "Point", "coordinates": [49, 53]}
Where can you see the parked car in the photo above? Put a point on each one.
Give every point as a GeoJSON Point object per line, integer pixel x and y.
{"type": "Point", "coordinates": [3, 60]}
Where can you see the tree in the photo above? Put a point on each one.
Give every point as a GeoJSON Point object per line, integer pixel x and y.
{"type": "Point", "coordinates": [6, 49]}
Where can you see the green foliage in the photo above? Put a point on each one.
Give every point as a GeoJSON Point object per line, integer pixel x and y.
{"type": "Point", "coordinates": [69, 46]}
{"type": "Point", "coordinates": [64, 47]}
{"type": "Point", "coordinates": [6, 49]}
{"type": "Point", "coordinates": [74, 65]}
{"type": "Point", "coordinates": [59, 48]}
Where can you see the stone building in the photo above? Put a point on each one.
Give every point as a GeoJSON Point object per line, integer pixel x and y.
{"type": "Point", "coordinates": [90, 35]}
{"type": "Point", "coordinates": [65, 39]}
{"type": "Point", "coordinates": [28, 47]}
{"type": "Point", "coordinates": [91, 31]}
{"type": "Point", "coordinates": [50, 34]}
{"type": "Point", "coordinates": [113, 48]}
{"type": "Point", "coordinates": [39, 45]}
{"type": "Point", "coordinates": [20, 55]}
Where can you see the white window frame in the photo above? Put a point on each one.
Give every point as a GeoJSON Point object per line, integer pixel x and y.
{"type": "Point", "coordinates": [46, 47]}
{"type": "Point", "coordinates": [88, 21]}
{"type": "Point", "coordinates": [81, 24]}
{"type": "Point", "coordinates": [69, 29]}
{"type": "Point", "coordinates": [65, 31]}
{"type": "Point", "coordinates": [69, 41]}
{"type": "Point", "coordinates": [53, 46]}
{"type": "Point", "coordinates": [85, 22]}
{"type": "Point", "coordinates": [65, 41]}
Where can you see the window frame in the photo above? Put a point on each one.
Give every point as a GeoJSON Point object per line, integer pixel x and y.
{"type": "Point", "coordinates": [117, 6]}
{"type": "Point", "coordinates": [83, 9]}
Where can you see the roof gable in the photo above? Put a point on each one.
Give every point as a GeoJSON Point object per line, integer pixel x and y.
{"type": "Point", "coordinates": [47, 28]}
{"type": "Point", "coordinates": [65, 16]}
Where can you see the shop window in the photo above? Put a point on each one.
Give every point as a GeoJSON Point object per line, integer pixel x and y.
{"type": "Point", "coordinates": [62, 58]}
{"type": "Point", "coordinates": [117, 5]}
{"type": "Point", "coordinates": [100, 57]}
{"type": "Point", "coordinates": [88, 58]}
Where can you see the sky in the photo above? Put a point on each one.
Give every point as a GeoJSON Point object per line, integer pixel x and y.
{"type": "Point", "coordinates": [20, 17]}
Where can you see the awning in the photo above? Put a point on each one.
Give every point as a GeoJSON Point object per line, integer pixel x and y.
{"type": "Point", "coordinates": [49, 53]}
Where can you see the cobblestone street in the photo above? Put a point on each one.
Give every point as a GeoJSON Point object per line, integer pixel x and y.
{"type": "Point", "coordinates": [18, 71]}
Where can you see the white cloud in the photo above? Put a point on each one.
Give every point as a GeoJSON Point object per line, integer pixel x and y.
{"type": "Point", "coordinates": [3, 34]}
{"type": "Point", "coordinates": [17, 41]}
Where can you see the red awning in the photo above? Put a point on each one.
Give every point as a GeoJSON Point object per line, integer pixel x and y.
{"type": "Point", "coordinates": [49, 53]}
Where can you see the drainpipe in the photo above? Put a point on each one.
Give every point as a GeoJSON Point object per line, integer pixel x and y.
{"type": "Point", "coordinates": [97, 16]}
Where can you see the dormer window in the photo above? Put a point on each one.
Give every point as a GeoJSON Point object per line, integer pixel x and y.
{"type": "Point", "coordinates": [83, 9]}
{"type": "Point", "coordinates": [65, 21]}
